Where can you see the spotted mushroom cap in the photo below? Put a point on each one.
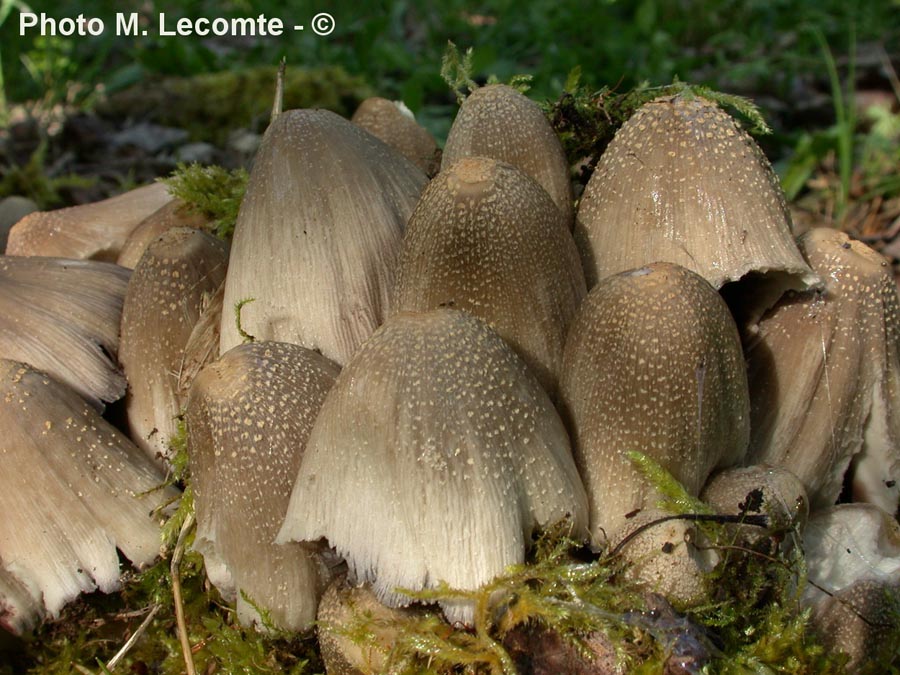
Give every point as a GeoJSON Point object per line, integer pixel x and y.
{"type": "Point", "coordinates": [824, 373]}
{"type": "Point", "coordinates": [433, 458]}
{"type": "Point", "coordinates": [499, 122]}
{"type": "Point", "coordinates": [652, 364]}
{"type": "Point", "coordinates": [162, 305]}
{"type": "Point", "coordinates": [62, 316]}
{"type": "Point", "coordinates": [683, 183]}
{"type": "Point", "coordinates": [487, 239]}
{"type": "Point", "coordinates": [95, 231]}
{"type": "Point", "coordinates": [248, 416]}
{"type": "Point", "coordinates": [393, 123]}
{"type": "Point", "coordinates": [173, 214]}
{"type": "Point", "coordinates": [318, 234]}
{"type": "Point", "coordinates": [72, 490]}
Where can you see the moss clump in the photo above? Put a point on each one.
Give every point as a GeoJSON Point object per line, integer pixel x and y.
{"type": "Point", "coordinates": [31, 180]}
{"type": "Point", "coordinates": [211, 105]}
{"type": "Point", "coordinates": [211, 191]}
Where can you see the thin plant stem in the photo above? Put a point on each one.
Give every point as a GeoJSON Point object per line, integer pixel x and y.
{"type": "Point", "coordinates": [175, 570]}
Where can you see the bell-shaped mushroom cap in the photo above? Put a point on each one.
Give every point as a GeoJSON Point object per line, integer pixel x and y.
{"type": "Point", "coordinates": [499, 122]}
{"type": "Point", "coordinates": [683, 183]}
{"type": "Point", "coordinates": [92, 231]}
{"type": "Point", "coordinates": [652, 364]}
{"type": "Point", "coordinates": [72, 490]}
{"type": "Point", "coordinates": [433, 458]}
{"type": "Point", "coordinates": [824, 373]}
{"type": "Point", "coordinates": [249, 415]}
{"type": "Point", "coordinates": [853, 565]}
{"type": "Point", "coordinates": [62, 316]}
{"type": "Point", "coordinates": [202, 346]}
{"type": "Point", "coordinates": [485, 238]}
{"type": "Point", "coordinates": [318, 234]}
{"type": "Point", "coordinates": [394, 123]}
{"type": "Point", "coordinates": [176, 274]}
{"type": "Point", "coordinates": [173, 214]}
{"type": "Point", "coordinates": [759, 490]}
{"type": "Point", "coordinates": [12, 210]}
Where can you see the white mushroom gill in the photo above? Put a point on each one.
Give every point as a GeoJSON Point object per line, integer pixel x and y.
{"type": "Point", "coordinates": [72, 490]}
{"type": "Point", "coordinates": [433, 458]}
{"type": "Point", "coordinates": [318, 234]}
{"type": "Point", "coordinates": [248, 416]}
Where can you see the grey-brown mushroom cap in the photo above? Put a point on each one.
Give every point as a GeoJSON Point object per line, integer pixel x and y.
{"type": "Point", "coordinates": [433, 458]}
{"type": "Point", "coordinates": [62, 316]}
{"type": "Point", "coordinates": [824, 373]}
{"type": "Point", "coordinates": [248, 416]}
{"type": "Point", "coordinates": [175, 213]}
{"type": "Point", "coordinates": [72, 490]}
{"type": "Point", "coordinates": [318, 234]}
{"type": "Point", "coordinates": [499, 122]}
{"type": "Point", "coordinates": [652, 364]}
{"type": "Point", "coordinates": [394, 124]}
{"type": "Point", "coordinates": [89, 232]}
{"type": "Point", "coordinates": [487, 239]}
{"type": "Point", "coordinates": [177, 272]}
{"type": "Point", "coordinates": [19, 608]}
{"type": "Point", "coordinates": [681, 182]}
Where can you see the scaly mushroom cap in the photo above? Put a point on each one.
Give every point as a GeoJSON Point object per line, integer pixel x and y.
{"type": "Point", "coordinates": [72, 490]}
{"type": "Point", "coordinates": [499, 122]}
{"type": "Point", "coordinates": [485, 238]}
{"type": "Point", "coordinates": [433, 458]}
{"type": "Point", "coordinates": [162, 305]}
{"type": "Point", "coordinates": [249, 415]}
{"type": "Point", "coordinates": [824, 373]}
{"type": "Point", "coordinates": [318, 234]}
{"type": "Point", "coordinates": [62, 316]}
{"type": "Point", "coordinates": [853, 564]}
{"type": "Point", "coordinates": [95, 231]}
{"type": "Point", "coordinates": [652, 364]}
{"type": "Point", "coordinates": [174, 214]}
{"type": "Point", "coordinates": [683, 183]}
{"type": "Point", "coordinates": [394, 124]}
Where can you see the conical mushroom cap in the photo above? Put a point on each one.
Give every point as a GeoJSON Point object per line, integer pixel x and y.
{"type": "Point", "coordinates": [62, 316]}
{"type": "Point", "coordinates": [318, 234]}
{"type": "Point", "coordinates": [89, 232]}
{"type": "Point", "coordinates": [173, 214]}
{"type": "Point", "coordinates": [652, 364]}
{"type": "Point", "coordinates": [683, 183]}
{"type": "Point", "coordinates": [163, 302]}
{"type": "Point", "coordinates": [72, 490]}
{"type": "Point", "coordinates": [486, 239]}
{"type": "Point", "coordinates": [499, 122]}
{"type": "Point", "coordinates": [249, 415]}
{"type": "Point", "coordinates": [394, 124]}
{"type": "Point", "coordinates": [824, 373]}
{"type": "Point", "coordinates": [433, 458]}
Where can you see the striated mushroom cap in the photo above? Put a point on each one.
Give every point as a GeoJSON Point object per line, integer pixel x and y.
{"type": "Point", "coordinates": [853, 565]}
{"type": "Point", "coordinates": [433, 458]}
{"type": "Point", "coordinates": [652, 364]}
{"type": "Point", "coordinates": [499, 122]}
{"type": "Point", "coordinates": [318, 234]}
{"type": "Point", "coordinates": [62, 316]}
{"type": "Point", "coordinates": [176, 274]}
{"type": "Point", "coordinates": [393, 123]}
{"type": "Point", "coordinates": [485, 238]}
{"type": "Point", "coordinates": [72, 491]}
{"type": "Point", "coordinates": [683, 183]}
{"type": "Point", "coordinates": [173, 214]}
{"type": "Point", "coordinates": [248, 416]}
{"type": "Point", "coordinates": [824, 373]}
{"type": "Point", "coordinates": [95, 231]}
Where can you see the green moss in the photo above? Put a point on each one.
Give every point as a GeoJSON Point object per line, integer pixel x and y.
{"type": "Point", "coordinates": [212, 191]}
{"type": "Point", "coordinates": [210, 106]}
{"type": "Point", "coordinates": [32, 180]}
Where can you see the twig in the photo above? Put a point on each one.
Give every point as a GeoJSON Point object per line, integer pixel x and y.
{"type": "Point", "coordinates": [278, 105]}
{"type": "Point", "coordinates": [114, 661]}
{"type": "Point", "coordinates": [177, 555]}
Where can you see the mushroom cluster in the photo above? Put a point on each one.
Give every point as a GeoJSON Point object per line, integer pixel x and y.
{"type": "Point", "coordinates": [392, 387]}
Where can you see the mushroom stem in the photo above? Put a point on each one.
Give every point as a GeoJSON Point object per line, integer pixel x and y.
{"type": "Point", "coordinates": [175, 569]}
